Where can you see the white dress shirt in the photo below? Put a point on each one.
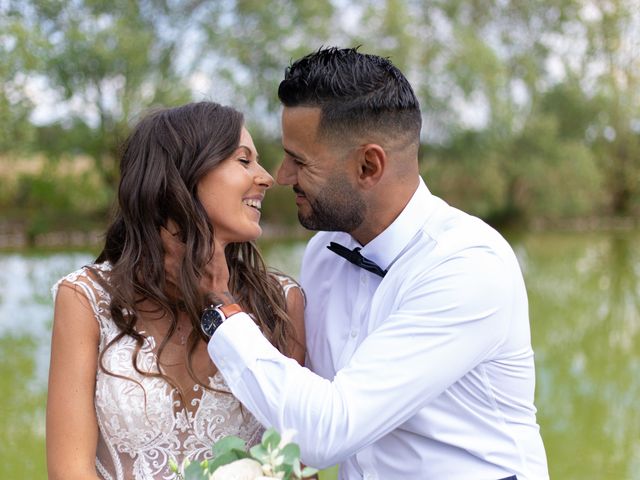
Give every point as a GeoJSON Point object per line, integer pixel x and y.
{"type": "Point", "coordinates": [426, 374]}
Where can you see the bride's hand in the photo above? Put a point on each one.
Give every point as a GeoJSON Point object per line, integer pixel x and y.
{"type": "Point", "coordinates": [215, 279]}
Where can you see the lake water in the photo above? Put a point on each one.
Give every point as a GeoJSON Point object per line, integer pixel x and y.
{"type": "Point", "coordinates": [584, 292]}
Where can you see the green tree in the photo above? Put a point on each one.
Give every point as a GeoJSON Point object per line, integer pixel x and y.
{"type": "Point", "coordinates": [512, 92]}
{"type": "Point", "coordinates": [19, 48]}
{"type": "Point", "coordinates": [114, 60]}
{"type": "Point", "coordinates": [612, 32]}
{"type": "Point", "coordinates": [248, 44]}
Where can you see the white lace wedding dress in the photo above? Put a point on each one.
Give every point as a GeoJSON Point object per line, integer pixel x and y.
{"type": "Point", "coordinates": [141, 420]}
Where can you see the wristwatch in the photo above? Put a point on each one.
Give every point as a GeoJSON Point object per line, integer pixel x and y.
{"type": "Point", "coordinates": [213, 316]}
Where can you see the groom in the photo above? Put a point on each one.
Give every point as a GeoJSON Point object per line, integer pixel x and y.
{"type": "Point", "coordinates": [419, 353]}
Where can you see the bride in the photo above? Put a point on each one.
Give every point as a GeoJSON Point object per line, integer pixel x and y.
{"type": "Point", "coordinates": [131, 385]}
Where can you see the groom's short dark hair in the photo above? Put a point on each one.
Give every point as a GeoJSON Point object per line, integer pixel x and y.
{"type": "Point", "coordinates": [356, 92]}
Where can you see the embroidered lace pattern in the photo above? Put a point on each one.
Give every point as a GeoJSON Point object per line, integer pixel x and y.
{"type": "Point", "coordinates": [142, 423]}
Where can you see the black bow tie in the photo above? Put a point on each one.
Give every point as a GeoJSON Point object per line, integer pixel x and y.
{"type": "Point", "coordinates": [355, 257]}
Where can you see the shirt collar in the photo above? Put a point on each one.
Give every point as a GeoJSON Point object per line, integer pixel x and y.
{"type": "Point", "coordinates": [387, 246]}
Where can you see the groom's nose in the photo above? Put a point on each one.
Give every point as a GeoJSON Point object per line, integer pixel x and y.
{"type": "Point", "coordinates": [287, 173]}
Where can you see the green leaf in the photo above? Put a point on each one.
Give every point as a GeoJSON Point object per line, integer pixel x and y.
{"type": "Point", "coordinates": [291, 452]}
{"type": "Point", "coordinates": [228, 444]}
{"type": "Point", "coordinates": [287, 470]}
{"type": "Point", "coordinates": [308, 471]}
{"type": "Point", "coordinates": [221, 460]}
{"type": "Point", "coordinates": [259, 452]}
{"type": "Point", "coordinates": [225, 458]}
{"type": "Point", "coordinates": [296, 468]}
{"type": "Point", "coordinates": [194, 472]}
{"type": "Point", "coordinates": [271, 439]}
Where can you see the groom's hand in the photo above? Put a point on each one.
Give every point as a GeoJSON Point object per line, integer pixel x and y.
{"type": "Point", "coordinates": [214, 281]}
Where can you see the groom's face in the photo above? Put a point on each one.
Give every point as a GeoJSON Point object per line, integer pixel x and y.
{"type": "Point", "coordinates": [320, 173]}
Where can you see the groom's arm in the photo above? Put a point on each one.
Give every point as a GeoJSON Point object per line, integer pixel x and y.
{"type": "Point", "coordinates": [448, 322]}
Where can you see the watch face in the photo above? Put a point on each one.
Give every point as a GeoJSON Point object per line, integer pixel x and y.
{"type": "Point", "coordinates": [210, 320]}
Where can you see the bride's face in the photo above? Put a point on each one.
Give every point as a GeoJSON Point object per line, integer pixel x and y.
{"type": "Point", "coordinates": [233, 191]}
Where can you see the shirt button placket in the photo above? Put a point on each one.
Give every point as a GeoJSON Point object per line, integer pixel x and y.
{"type": "Point", "coordinates": [360, 303]}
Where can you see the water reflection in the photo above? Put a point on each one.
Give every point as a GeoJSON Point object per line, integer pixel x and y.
{"type": "Point", "coordinates": [584, 293]}
{"type": "Point", "coordinates": [25, 300]}
{"type": "Point", "coordinates": [585, 311]}
{"type": "Point", "coordinates": [25, 324]}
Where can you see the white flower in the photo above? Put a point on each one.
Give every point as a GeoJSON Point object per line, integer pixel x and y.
{"type": "Point", "coordinates": [244, 469]}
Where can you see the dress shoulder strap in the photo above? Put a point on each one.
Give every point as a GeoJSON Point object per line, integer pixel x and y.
{"type": "Point", "coordinates": [86, 280]}
{"type": "Point", "coordinates": [287, 283]}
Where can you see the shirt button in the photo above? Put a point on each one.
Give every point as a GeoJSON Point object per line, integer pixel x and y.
{"type": "Point", "coordinates": [354, 333]}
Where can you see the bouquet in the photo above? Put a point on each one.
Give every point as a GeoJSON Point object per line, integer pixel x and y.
{"type": "Point", "coordinates": [274, 457]}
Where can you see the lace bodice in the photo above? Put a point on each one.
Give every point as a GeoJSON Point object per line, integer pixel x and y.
{"type": "Point", "coordinates": [142, 422]}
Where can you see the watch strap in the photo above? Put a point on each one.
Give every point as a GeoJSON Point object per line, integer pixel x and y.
{"type": "Point", "coordinates": [230, 309]}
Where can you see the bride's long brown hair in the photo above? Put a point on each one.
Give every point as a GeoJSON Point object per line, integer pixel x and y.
{"type": "Point", "coordinates": [163, 160]}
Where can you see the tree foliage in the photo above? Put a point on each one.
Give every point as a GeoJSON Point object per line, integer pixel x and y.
{"type": "Point", "coordinates": [530, 108]}
{"type": "Point", "coordinates": [105, 63]}
{"type": "Point", "coordinates": [18, 58]}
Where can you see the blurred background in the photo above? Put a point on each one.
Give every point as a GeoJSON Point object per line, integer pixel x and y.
{"type": "Point", "coordinates": [531, 121]}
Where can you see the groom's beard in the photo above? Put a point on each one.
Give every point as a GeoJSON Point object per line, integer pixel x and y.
{"type": "Point", "coordinates": [337, 207]}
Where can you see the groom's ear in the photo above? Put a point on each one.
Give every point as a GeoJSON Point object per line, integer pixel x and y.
{"type": "Point", "coordinates": [372, 162]}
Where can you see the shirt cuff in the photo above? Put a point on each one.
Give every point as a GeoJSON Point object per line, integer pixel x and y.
{"type": "Point", "coordinates": [237, 344]}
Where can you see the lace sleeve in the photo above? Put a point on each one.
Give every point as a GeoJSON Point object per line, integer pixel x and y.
{"type": "Point", "coordinates": [84, 280]}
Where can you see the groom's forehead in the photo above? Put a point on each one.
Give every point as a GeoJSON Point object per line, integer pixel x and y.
{"type": "Point", "coordinates": [300, 128]}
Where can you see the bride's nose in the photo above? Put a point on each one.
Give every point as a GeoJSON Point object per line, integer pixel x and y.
{"type": "Point", "coordinates": [263, 178]}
